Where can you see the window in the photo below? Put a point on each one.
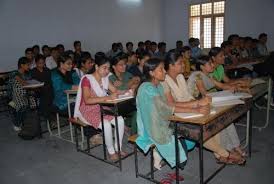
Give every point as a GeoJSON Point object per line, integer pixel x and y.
{"type": "Point", "coordinates": [206, 22]}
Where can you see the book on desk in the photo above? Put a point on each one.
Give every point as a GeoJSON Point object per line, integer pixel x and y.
{"type": "Point", "coordinates": [121, 97]}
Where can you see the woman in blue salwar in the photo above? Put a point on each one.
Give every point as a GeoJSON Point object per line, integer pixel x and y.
{"type": "Point", "coordinates": [153, 112]}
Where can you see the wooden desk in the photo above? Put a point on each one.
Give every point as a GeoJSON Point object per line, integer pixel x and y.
{"type": "Point", "coordinates": [203, 128]}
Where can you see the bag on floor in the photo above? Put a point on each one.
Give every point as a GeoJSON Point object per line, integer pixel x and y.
{"type": "Point", "coordinates": [30, 126]}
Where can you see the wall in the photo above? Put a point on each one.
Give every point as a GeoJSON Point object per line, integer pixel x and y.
{"type": "Point", "coordinates": [244, 17]}
{"type": "Point", "coordinates": [97, 23]}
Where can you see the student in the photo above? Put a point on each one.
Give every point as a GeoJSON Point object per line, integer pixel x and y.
{"type": "Point", "coordinates": [19, 94]}
{"type": "Point", "coordinates": [61, 49]}
{"type": "Point", "coordinates": [137, 70]}
{"type": "Point", "coordinates": [93, 90]}
{"type": "Point", "coordinates": [120, 78]}
{"type": "Point", "coordinates": [147, 45]}
{"type": "Point", "coordinates": [261, 46]}
{"type": "Point", "coordinates": [51, 61]}
{"type": "Point", "coordinates": [85, 65]}
{"type": "Point", "coordinates": [63, 78]}
{"type": "Point", "coordinates": [46, 51]}
{"type": "Point", "coordinates": [35, 50]}
{"type": "Point", "coordinates": [125, 81]}
{"type": "Point", "coordinates": [77, 52]}
{"type": "Point", "coordinates": [230, 60]}
{"type": "Point", "coordinates": [131, 61]}
{"type": "Point", "coordinates": [195, 49]}
{"type": "Point", "coordinates": [153, 48]}
{"type": "Point", "coordinates": [199, 84]}
{"type": "Point", "coordinates": [141, 48]}
{"type": "Point", "coordinates": [161, 54]}
{"type": "Point", "coordinates": [179, 46]}
{"type": "Point", "coordinates": [153, 111]}
{"type": "Point", "coordinates": [217, 57]}
{"type": "Point", "coordinates": [235, 43]}
{"type": "Point", "coordinates": [176, 92]}
{"type": "Point", "coordinates": [186, 52]}
{"type": "Point", "coordinates": [114, 51]}
{"type": "Point", "coordinates": [129, 47]}
{"type": "Point", "coordinates": [120, 46]}
{"type": "Point", "coordinates": [29, 55]}
{"type": "Point", "coordinates": [43, 74]}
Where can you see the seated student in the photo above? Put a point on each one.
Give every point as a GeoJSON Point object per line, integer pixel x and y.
{"type": "Point", "coordinates": [141, 47]}
{"type": "Point", "coordinates": [186, 52]}
{"type": "Point", "coordinates": [199, 84]}
{"type": "Point", "coordinates": [124, 80]}
{"type": "Point", "coordinates": [161, 54]}
{"type": "Point", "coordinates": [43, 74]}
{"type": "Point", "coordinates": [120, 78]}
{"type": "Point", "coordinates": [153, 48]}
{"type": "Point", "coordinates": [196, 51]}
{"type": "Point", "coordinates": [85, 65]}
{"type": "Point", "coordinates": [147, 45]}
{"type": "Point", "coordinates": [230, 60]}
{"type": "Point", "coordinates": [93, 89]}
{"type": "Point", "coordinates": [153, 111]}
{"type": "Point", "coordinates": [114, 51]}
{"type": "Point", "coordinates": [235, 44]}
{"type": "Point", "coordinates": [176, 92]}
{"type": "Point", "coordinates": [137, 70]}
{"type": "Point", "coordinates": [217, 57]}
{"type": "Point", "coordinates": [131, 60]}
{"type": "Point", "coordinates": [46, 51]}
{"type": "Point", "coordinates": [129, 47]}
{"type": "Point", "coordinates": [35, 50]}
{"type": "Point", "coordinates": [77, 52]}
{"type": "Point", "coordinates": [29, 55]}
{"type": "Point", "coordinates": [63, 79]}
{"type": "Point", "coordinates": [51, 61]}
{"type": "Point", "coordinates": [19, 94]}
{"type": "Point", "coordinates": [247, 51]}
{"type": "Point", "coordinates": [61, 49]}
{"type": "Point", "coordinates": [261, 46]}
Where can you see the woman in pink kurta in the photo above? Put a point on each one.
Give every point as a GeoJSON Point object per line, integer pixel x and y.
{"type": "Point", "coordinates": [93, 90]}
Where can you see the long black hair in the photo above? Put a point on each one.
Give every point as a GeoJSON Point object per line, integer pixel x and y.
{"type": "Point", "coordinates": [202, 60]}
{"type": "Point", "coordinates": [100, 59]}
{"type": "Point", "coordinates": [67, 77]}
{"type": "Point", "coordinates": [171, 59]}
{"type": "Point", "coordinates": [214, 51]}
{"type": "Point", "coordinates": [151, 65]}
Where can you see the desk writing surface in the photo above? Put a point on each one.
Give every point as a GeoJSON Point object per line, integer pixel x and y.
{"type": "Point", "coordinates": [204, 119]}
{"type": "Point", "coordinates": [71, 91]}
{"type": "Point", "coordinates": [115, 101]}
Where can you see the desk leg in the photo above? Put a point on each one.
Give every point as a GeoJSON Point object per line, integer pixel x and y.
{"type": "Point", "coordinates": [69, 113]}
{"type": "Point", "coordinates": [103, 132]}
{"type": "Point", "coordinates": [247, 129]}
{"type": "Point", "coordinates": [201, 158]}
{"type": "Point", "coordinates": [249, 134]}
{"type": "Point", "coordinates": [269, 94]}
{"type": "Point", "coordinates": [118, 138]}
{"type": "Point", "coordinates": [176, 153]}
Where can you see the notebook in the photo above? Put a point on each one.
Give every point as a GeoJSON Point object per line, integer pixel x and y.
{"type": "Point", "coordinates": [33, 84]}
{"type": "Point", "coordinates": [122, 97]}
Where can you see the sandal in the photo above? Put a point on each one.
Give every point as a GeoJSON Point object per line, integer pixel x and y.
{"type": "Point", "coordinates": [123, 154]}
{"type": "Point", "coordinates": [232, 159]}
{"type": "Point", "coordinates": [173, 176]}
{"type": "Point", "coordinates": [166, 181]}
{"type": "Point", "coordinates": [241, 152]}
{"type": "Point", "coordinates": [113, 157]}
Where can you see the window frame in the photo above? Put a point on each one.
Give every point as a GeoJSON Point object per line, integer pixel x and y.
{"type": "Point", "coordinates": [202, 17]}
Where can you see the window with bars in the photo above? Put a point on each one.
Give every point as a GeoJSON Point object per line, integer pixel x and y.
{"type": "Point", "coordinates": [206, 22]}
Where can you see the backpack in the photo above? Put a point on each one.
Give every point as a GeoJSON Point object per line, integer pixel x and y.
{"type": "Point", "coordinates": [30, 126]}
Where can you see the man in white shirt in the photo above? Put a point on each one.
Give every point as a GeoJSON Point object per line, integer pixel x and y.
{"type": "Point", "coordinates": [51, 61]}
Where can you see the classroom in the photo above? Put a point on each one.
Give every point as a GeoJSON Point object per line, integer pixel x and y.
{"type": "Point", "coordinates": [137, 91]}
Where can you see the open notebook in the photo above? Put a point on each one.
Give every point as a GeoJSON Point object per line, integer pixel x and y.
{"type": "Point", "coordinates": [186, 115]}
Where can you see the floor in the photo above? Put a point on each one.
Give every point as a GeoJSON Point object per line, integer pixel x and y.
{"type": "Point", "coordinates": [51, 160]}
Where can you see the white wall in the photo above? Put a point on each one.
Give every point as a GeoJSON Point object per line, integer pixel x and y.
{"type": "Point", "coordinates": [97, 23]}
{"type": "Point", "coordinates": [244, 17]}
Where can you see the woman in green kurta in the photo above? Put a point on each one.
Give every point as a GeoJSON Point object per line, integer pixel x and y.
{"type": "Point", "coordinates": [124, 80]}
{"type": "Point", "coordinates": [153, 112]}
